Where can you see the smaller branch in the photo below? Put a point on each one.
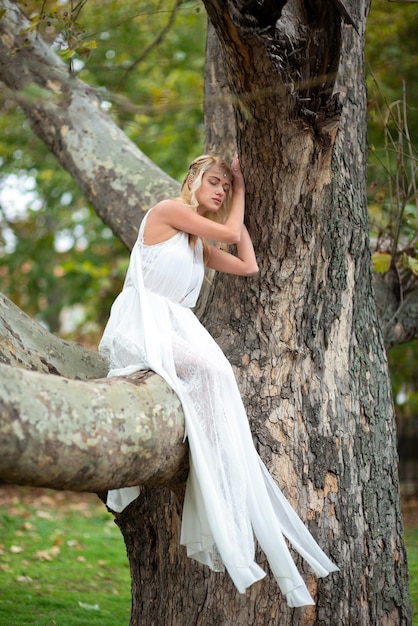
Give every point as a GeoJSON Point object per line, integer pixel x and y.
{"type": "Point", "coordinates": [398, 320]}
{"type": "Point", "coordinates": [152, 45]}
{"type": "Point", "coordinates": [76, 10]}
{"type": "Point", "coordinates": [25, 344]}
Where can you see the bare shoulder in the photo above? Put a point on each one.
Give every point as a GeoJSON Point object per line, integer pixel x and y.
{"type": "Point", "coordinates": [159, 226]}
{"type": "Point", "coordinates": [166, 207]}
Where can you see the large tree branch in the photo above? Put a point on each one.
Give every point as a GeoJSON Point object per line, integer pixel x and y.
{"type": "Point", "coordinates": [89, 436]}
{"type": "Point", "coordinates": [116, 177]}
{"type": "Point", "coordinates": [83, 435]}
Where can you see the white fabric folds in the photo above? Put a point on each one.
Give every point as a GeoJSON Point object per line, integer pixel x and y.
{"type": "Point", "coordinates": [230, 495]}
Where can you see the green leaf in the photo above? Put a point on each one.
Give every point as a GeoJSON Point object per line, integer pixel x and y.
{"type": "Point", "coordinates": [68, 53]}
{"type": "Point", "coordinates": [410, 263]}
{"type": "Point", "coordinates": [381, 262]}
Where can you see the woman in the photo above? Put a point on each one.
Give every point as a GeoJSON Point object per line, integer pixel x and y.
{"type": "Point", "coordinates": [229, 495]}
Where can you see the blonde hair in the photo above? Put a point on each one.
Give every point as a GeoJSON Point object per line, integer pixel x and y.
{"type": "Point", "coordinates": [191, 184]}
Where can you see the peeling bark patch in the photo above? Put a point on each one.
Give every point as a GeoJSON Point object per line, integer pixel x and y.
{"type": "Point", "coordinates": [325, 460]}
{"type": "Point", "coordinates": [51, 369]}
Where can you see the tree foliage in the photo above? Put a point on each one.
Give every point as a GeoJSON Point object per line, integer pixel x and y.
{"type": "Point", "coordinates": [392, 72]}
{"type": "Point", "coordinates": [393, 129]}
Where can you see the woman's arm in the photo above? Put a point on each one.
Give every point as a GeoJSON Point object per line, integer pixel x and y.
{"type": "Point", "coordinates": [243, 264]}
{"type": "Point", "coordinates": [177, 216]}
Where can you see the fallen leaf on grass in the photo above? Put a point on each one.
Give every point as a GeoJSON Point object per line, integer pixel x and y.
{"type": "Point", "coordinates": [4, 567]}
{"type": "Point", "coordinates": [47, 555]}
{"type": "Point", "coordinates": [24, 579]}
{"type": "Point", "coordinates": [16, 549]}
{"type": "Point", "coordinates": [89, 607]}
{"type": "Point", "coordinates": [44, 515]}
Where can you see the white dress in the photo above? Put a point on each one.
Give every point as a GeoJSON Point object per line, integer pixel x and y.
{"type": "Point", "coordinates": [230, 496]}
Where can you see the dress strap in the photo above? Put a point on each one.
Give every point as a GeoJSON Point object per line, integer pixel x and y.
{"type": "Point", "coordinates": [140, 239]}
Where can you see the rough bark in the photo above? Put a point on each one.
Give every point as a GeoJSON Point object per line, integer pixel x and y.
{"type": "Point", "coordinates": [116, 177]}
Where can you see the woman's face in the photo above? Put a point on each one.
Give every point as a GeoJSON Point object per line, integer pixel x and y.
{"type": "Point", "coordinates": [211, 193]}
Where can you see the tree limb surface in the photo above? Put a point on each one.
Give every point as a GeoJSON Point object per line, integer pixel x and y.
{"type": "Point", "coordinates": [89, 435]}
{"type": "Point", "coordinates": [25, 344]}
{"type": "Point", "coordinates": [67, 431]}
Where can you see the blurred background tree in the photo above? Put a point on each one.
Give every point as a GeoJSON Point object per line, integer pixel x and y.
{"type": "Point", "coordinates": [392, 65]}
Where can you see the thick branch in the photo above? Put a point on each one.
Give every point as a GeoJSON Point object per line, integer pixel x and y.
{"type": "Point", "coordinates": [83, 435]}
{"type": "Point", "coordinates": [117, 178]}
{"type": "Point", "coordinates": [26, 344]}
{"type": "Point", "coordinates": [89, 436]}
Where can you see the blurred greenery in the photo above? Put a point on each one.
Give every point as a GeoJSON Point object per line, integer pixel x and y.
{"type": "Point", "coordinates": [403, 366]}
{"type": "Point", "coordinates": [392, 78]}
{"type": "Point", "coordinates": [411, 541]}
{"type": "Point", "coordinates": [62, 560]}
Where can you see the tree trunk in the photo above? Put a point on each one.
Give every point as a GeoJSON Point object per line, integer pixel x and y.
{"type": "Point", "coordinates": [303, 338]}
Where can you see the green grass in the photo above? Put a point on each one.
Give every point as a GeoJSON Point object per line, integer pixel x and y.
{"type": "Point", "coordinates": [62, 561]}
{"type": "Point", "coordinates": [411, 540]}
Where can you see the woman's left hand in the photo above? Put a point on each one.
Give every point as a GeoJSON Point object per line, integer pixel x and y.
{"type": "Point", "coordinates": [237, 177]}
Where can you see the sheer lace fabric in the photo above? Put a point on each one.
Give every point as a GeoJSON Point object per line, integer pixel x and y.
{"type": "Point", "coordinates": [230, 495]}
